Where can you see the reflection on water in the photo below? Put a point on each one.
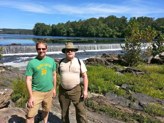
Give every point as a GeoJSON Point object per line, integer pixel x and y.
{"type": "Point", "coordinates": [15, 39]}
{"type": "Point", "coordinates": [16, 42]}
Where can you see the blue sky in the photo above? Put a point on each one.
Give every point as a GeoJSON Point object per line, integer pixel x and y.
{"type": "Point", "coordinates": [24, 14]}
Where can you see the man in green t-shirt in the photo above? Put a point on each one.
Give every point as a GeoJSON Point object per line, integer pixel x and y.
{"type": "Point", "coordinates": [41, 83]}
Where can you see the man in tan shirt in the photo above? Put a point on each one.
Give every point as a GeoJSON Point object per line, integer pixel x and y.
{"type": "Point", "coordinates": [70, 89]}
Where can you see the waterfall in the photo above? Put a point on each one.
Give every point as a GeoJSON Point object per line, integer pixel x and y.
{"type": "Point", "coordinates": [53, 48]}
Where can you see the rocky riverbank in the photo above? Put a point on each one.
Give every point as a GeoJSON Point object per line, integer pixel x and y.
{"type": "Point", "coordinates": [9, 113]}
{"type": "Point", "coordinates": [134, 104]}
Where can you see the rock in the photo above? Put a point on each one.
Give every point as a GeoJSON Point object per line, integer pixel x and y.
{"type": "Point", "coordinates": [132, 70]}
{"type": "Point", "coordinates": [161, 55]}
{"type": "Point", "coordinates": [12, 115]}
{"type": "Point", "coordinates": [117, 100]}
{"type": "Point", "coordinates": [5, 97]}
{"type": "Point", "coordinates": [2, 68]}
{"type": "Point", "coordinates": [95, 61]}
{"type": "Point", "coordinates": [9, 74]}
{"type": "Point", "coordinates": [158, 59]}
{"type": "Point", "coordinates": [144, 100]}
{"type": "Point", "coordinates": [105, 59]}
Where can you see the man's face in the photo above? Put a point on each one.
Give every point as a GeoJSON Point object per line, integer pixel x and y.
{"type": "Point", "coordinates": [70, 54]}
{"type": "Point", "coordinates": [41, 49]}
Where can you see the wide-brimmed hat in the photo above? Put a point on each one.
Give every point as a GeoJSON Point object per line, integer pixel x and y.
{"type": "Point", "coordinates": [69, 46]}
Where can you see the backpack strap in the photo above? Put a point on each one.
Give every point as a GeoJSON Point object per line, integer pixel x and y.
{"type": "Point", "coordinates": [80, 67]}
{"type": "Point", "coordinates": [59, 65]}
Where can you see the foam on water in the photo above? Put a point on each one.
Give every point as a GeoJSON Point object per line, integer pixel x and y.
{"type": "Point", "coordinates": [20, 60]}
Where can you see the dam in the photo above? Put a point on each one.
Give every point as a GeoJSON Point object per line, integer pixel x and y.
{"type": "Point", "coordinates": [23, 49]}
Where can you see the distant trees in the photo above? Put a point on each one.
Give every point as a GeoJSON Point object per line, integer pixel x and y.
{"type": "Point", "coordinates": [42, 29]}
{"type": "Point", "coordinates": [16, 31]}
{"type": "Point", "coordinates": [159, 25]}
{"type": "Point", "coordinates": [111, 26]}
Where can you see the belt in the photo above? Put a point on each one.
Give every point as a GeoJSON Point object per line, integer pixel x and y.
{"type": "Point", "coordinates": [69, 89]}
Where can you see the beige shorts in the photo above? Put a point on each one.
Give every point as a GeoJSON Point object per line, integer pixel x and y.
{"type": "Point", "coordinates": [41, 99]}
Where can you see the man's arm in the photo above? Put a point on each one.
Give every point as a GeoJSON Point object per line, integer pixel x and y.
{"type": "Point", "coordinates": [85, 81]}
{"type": "Point", "coordinates": [29, 88]}
{"type": "Point", "coordinates": [54, 82]}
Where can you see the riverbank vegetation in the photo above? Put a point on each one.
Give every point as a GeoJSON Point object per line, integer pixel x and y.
{"type": "Point", "coordinates": [108, 80]}
{"type": "Point", "coordinates": [105, 81]}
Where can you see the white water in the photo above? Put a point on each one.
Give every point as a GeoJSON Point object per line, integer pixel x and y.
{"type": "Point", "coordinates": [20, 60]}
{"type": "Point", "coordinates": [58, 52]}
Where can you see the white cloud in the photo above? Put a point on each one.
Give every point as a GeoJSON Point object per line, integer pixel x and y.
{"type": "Point", "coordinates": [92, 9]}
{"type": "Point", "coordinates": [33, 8]}
{"type": "Point", "coordinates": [132, 8]}
{"type": "Point", "coordinates": [24, 6]}
{"type": "Point", "coordinates": [96, 10]}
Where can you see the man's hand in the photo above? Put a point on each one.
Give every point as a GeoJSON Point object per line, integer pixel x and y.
{"type": "Point", "coordinates": [30, 102]}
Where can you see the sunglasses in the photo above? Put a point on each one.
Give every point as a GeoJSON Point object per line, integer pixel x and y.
{"type": "Point", "coordinates": [72, 50]}
{"type": "Point", "coordinates": [41, 48]}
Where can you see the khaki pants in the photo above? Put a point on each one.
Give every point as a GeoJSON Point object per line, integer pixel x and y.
{"type": "Point", "coordinates": [43, 99]}
{"type": "Point", "coordinates": [74, 96]}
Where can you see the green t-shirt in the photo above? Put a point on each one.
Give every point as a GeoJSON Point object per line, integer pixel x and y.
{"type": "Point", "coordinates": [42, 73]}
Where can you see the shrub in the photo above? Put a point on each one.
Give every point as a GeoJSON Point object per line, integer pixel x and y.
{"type": "Point", "coordinates": [134, 41]}
{"type": "Point", "coordinates": [20, 94]}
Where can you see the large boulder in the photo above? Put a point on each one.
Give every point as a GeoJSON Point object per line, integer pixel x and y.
{"type": "Point", "coordinates": [105, 59]}
{"type": "Point", "coordinates": [12, 115]}
{"type": "Point", "coordinates": [157, 59]}
{"type": "Point", "coordinates": [5, 97]}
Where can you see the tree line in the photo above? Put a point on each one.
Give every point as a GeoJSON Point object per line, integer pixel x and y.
{"type": "Point", "coordinates": [16, 31]}
{"type": "Point", "coordinates": [111, 27]}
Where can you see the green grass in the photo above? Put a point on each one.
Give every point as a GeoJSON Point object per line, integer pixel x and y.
{"type": "Point", "coordinates": [155, 109]}
{"type": "Point", "coordinates": [104, 80]}
{"type": "Point", "coordinates": [153, 68]}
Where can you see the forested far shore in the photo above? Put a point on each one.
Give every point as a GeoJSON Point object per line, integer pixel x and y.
{"type": "Point", "coordinates": [16, 31]}
{"type": "Point", "coordinates": [110, 27]}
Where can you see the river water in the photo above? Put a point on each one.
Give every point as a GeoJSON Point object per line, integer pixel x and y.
{"type": "Point", "coordinates": [17, 54]}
